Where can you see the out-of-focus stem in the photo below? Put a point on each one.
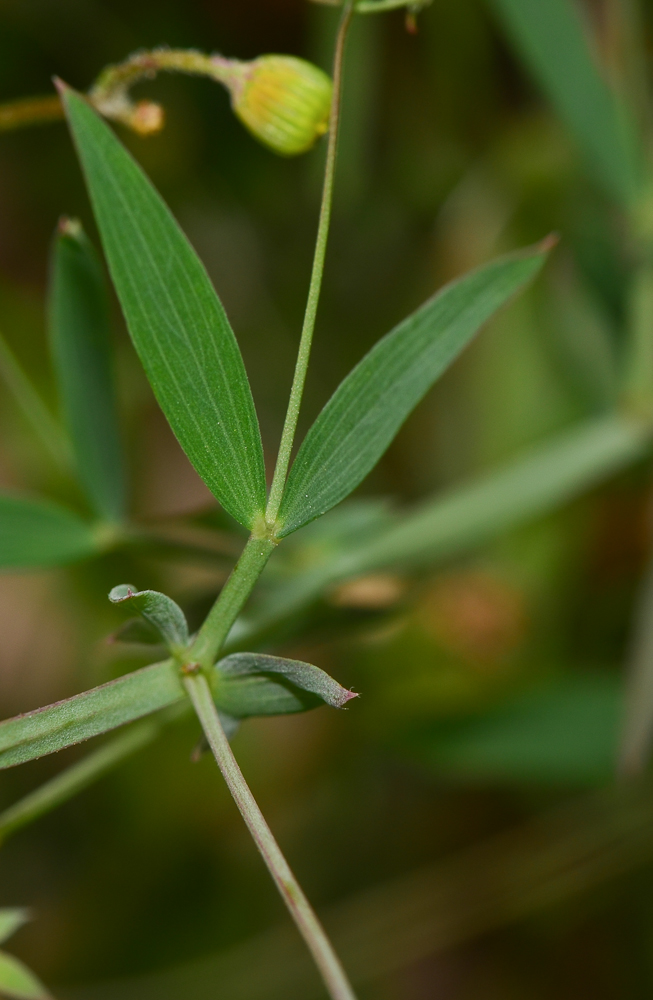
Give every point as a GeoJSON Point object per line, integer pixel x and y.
{"type": "Point", "coordinates": [30, 111]}
{"type": "Point", "coordinates": [76, 778]}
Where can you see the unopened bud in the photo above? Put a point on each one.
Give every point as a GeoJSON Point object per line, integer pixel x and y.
{"type": "Point", "coordinates": [284, 101]}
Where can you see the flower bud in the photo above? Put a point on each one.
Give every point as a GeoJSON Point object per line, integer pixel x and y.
{"type": "Point", "coordinates": [284, 101]}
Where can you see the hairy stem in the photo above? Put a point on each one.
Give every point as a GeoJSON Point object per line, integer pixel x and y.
{"type": "Point", "coordinates": [303, 355]}
{"type": "Point", "coordinates": [230, 601]}
{"type": "Point", "coordinates": [293, 896]}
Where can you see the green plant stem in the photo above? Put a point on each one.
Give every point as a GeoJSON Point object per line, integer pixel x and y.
{"type": "Point", "coordinates": [300, 909]}
{"type": "Point", "coordinates": [77, 777]}
{"type": "Point", "coordinates": [34, 408]}
{"type": "Point", "coordinates": [303, 355]}
{"type": "Point", "coordinates": [30, 111]}
{"type": "Point", "coordinates": [230, 601]}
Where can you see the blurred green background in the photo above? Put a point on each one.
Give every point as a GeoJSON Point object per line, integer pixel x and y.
{"type": "Point", "coordinates": [459, 825]}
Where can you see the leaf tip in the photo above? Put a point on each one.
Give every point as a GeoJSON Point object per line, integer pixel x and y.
{"type": "Point", "coordinates": [122, 593]}
{"type": "Point", "coordinates": [548, 243]}
{"type": "Point", "coordinates": [62, 87]}
{"type": "Point", "coordinates": [346, 696]}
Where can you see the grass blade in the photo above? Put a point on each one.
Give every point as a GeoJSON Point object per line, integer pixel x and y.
{"type": "Point", "coordinates": [553, 41]}
{"type": "Point", "coordinates": [176, 320]}
{"type": "Point", "coordinates": [39, 533]}
{"type": "Point", "coordinates": [81, 350]}
{"type": "Point", "coordinates": [370, 405]}
{"type": "Point", "coordinates": [65, 723]}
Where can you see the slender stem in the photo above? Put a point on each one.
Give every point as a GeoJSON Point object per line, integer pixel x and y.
{"type": "Point", "coordinates": [34, 408]}
{"type": "Point", "coordinates": [30, 111]}
{"type": "Point", "coordinates": [293, 896]}
{"type": "Point", "coordinates": [77, 777]}
{"type": "Point", "coordinates": [637, 727]}
{"type": "Point", "coordinates": [303, 355]}
{"type": "Point", "coordinates": [230, 601]}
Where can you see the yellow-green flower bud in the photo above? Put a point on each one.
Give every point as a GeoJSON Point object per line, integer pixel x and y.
{"type": "Point", "coordinates": [283, 101]}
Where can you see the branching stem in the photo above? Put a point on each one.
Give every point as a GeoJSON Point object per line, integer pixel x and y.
{"type": "Point", "coordinates": [300, 909]}
{"type": "Point", "coordinates": [303, 355]}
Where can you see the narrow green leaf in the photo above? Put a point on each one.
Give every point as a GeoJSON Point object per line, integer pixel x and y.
{"type": "Point", "coordinates": [158, 609]}
{"type": "Point", "coordinates": [247, 684]}
{"type": "Point", "coordinates": [554, 42]}
{"type": "Point", "coordinates": [40, 533]}
{"type": "Point", "coordinates": [81, 350]}
{"type": "Point", "coordinates": [17, 982]}
{"type": "Point", "coordinates": [137, 631]}
{"type": "Point", "coordinates": [10, 920]}
{"type": "Point", "coordinates": [464, 517]}
{"type": "Point", "coordinates": [368, 408]}
{"type": "Point", "coordinates": [75, 779]}
{"type": "Point", "coordinates": [563, 733]}
{"type": "Point", "coordinates": [54, 727]}
{"type": "Point", "coordinates": [545, 477]}
{"type": "Point", "coordinates": [176, 320]}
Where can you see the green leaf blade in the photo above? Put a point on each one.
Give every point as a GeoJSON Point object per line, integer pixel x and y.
{"type": "Point", "coordinates": [91, 713]}
{"type": "Point", "coordinates": [11, 918]}
{"type": "Point", "coordinates": [553, 41]}
{"type": "Point", "coordinates": [81, 350]}
{"type": "Point", "coordinates": [37, 533]}
{"type": "Point", "coordinates": [176, 320]}
{"type": "Point", "coordinates": [370, 405]}
{"type": "Point", "coordinates": [158, 609]}
{"type": "Point", "coordinates": [17, 982]}
{"type": "Point", "coordinates": [250, 684]}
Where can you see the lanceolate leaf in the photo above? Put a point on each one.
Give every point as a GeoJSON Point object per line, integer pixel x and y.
{"type": "Point", "coordinates": [177, 323]}
{"type": "Point", "coordinates": [158, 609]}
{"type": "Point", "coordinates": [459, 519]}
{"type": "Point", "coordinates": [79, 337]}
{"type": "Point", "coordinates": [10, 920]}
{"type": "Point", "coordinates": [368, 408]}
{"type": "Point", "coordinates": [17, 982]}
{"type": "Point", "coordinates": [38, 533]}
{"type": "Point", "coordinates": [49, 729]}
{"type": "Point", "coordinates": [554, 43]}
{"type": "Point", "coordinates": [248, 684]}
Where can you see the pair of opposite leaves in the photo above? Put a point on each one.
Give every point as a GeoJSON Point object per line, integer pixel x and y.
{"type": "Point", "coordinates": [192, 360]}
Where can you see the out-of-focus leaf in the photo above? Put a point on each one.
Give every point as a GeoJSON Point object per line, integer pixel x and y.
{"type": "Point", "coordinates": [370, 405]}
{"type": "Point", "coordinates": [40, 533]}
{"type": "Point", "coordinates": [249, 684]}
{"type": "Point", "coordinates": [553, 41]}
{"type": "Point", "coordinates": [10, 920]}
{"type": "Point", "coordinates": [17, 982]}
{"type": "Point", "coordinates": [136, 630]}
{"type": "Point", "coordinates": [160, 610]}
{"type": "Point", "coordinates": [637, 723]}
{"type": "Point", "coordinates": [81, 350]}
{"type": "Point", "coordinates": [75, 779]}
{"type": "Point", "coordinates": [34, 409]}
{"type": "Point", "coordinates": [564, 733]}
{"type": "Point", "coordinates": [176, 320]}
{"type": "Point", "coordinates": [54, 727]}
{"type": "Point", "coordinates": [467, 516]}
